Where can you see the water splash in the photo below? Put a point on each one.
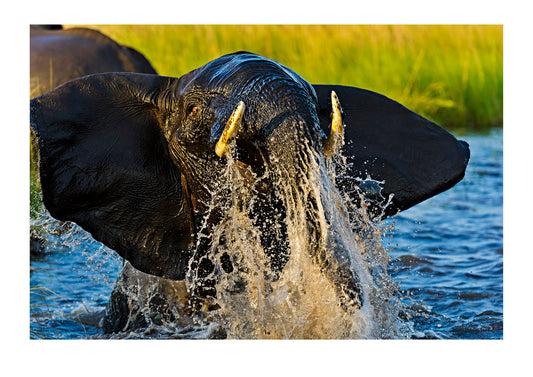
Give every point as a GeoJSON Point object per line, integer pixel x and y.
{"type": "Point", "coordinates": [52, 235]}
{"type": "Point", "coordinates": [304, 300]}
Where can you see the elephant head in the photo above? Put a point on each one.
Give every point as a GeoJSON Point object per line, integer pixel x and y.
{"type": "Point", "coordinates": [135, 159]}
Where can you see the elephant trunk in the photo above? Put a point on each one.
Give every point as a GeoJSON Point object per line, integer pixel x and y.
{"type": "Point", "coordinates": [298, 171]}
{"type": "Point", "coordinates": [292, 151]}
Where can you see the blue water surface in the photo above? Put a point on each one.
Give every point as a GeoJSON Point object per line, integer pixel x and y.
{"type": "Point", "coordinates": [448, 252]}
{"type": "Point", "coordinates": [447, 258]}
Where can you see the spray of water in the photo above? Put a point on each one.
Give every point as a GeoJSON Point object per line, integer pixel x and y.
{"type": "Point", "coordinates": [306, 299]}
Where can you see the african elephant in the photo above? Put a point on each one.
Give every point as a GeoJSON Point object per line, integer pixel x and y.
{"type": "Point", "coordinates": [139, 161]}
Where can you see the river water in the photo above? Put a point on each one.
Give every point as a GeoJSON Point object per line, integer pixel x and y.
{"type": "Point", "coordinates": [445, 256]}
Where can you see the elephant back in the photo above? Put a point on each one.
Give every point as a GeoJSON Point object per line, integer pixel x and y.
{"type": "Point", "coordinates": [58, 56]}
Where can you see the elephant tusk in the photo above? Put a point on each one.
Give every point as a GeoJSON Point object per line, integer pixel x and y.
{"type": "Point", "coordinates": [337, 128]}
{"type": "Point", "coordinates": [231, 129]}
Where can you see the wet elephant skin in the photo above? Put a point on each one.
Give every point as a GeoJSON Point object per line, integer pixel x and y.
{"type": "Point", "coordinates": [130, 157]}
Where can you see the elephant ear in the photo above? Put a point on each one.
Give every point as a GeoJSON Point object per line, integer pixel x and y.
{"type": "Point", "coordinates": [413, 157]}
{"type": "Point", "coordinates": [105, 164]}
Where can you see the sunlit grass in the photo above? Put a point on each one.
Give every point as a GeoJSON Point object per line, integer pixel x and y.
{"type": "Point", "coordinates": [452, 74]}
{"type": "Point", "coordinates": [36, 206]}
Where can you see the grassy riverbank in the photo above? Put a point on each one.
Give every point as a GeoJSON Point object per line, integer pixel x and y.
{"type": "Point", "coordinates": [452, 74]}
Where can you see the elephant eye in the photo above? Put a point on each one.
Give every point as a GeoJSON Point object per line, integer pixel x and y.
{"type": "Point", "coordinates": [193, 109]}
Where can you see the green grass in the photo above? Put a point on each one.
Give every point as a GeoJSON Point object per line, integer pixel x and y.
{"type": "Point", "coordinates": [451, 74]}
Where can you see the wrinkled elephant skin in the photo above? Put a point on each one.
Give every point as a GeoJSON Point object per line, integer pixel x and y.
{"type": "Point", "coordinates": [134, 159]}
